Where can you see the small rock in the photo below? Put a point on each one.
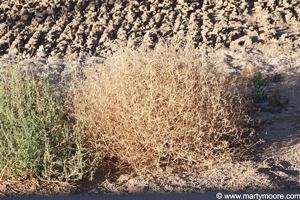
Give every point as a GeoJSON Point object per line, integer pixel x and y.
{"type": "Point", "coordinates": [13, 51]}
{"type": "Point", "coordinates": [40, 52]}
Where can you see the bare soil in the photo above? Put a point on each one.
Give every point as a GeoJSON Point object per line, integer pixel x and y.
{"type": "Point", "coordinates": [57, 27]}
{"type": "Point", "coordinates": [53, 35]}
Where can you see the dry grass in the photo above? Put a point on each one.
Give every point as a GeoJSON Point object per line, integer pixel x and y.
{"type": "Point", "coordinates": [161, 107]}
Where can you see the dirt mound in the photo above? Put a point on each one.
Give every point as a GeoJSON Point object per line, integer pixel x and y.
{"type": "Point", "coordinates": [58, 27]}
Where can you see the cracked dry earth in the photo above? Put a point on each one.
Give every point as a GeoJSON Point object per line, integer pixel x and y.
{"type": "Point", "coordinates": [50, 35]}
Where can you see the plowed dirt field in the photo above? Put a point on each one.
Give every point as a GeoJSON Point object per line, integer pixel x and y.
{"type": "Point", "coordinates": [58, 27]}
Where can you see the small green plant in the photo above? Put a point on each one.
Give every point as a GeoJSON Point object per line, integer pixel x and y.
{"type": "Point", "coordinates": [36, 135]}
{"type": "Point", "coordinates": [257, 94]}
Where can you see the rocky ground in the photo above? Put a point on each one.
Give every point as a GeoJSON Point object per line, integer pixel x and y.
{"type": "Point", "coordinates": [54, 35]}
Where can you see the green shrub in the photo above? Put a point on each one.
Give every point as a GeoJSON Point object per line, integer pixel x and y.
{"type": "Point", "coordinates": [257, 94]}
{"type": "Point", "coordinates": [36, 137]}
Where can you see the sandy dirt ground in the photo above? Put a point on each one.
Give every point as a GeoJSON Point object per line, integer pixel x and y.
{"type": "Point", "coordinates": [49, 35]}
